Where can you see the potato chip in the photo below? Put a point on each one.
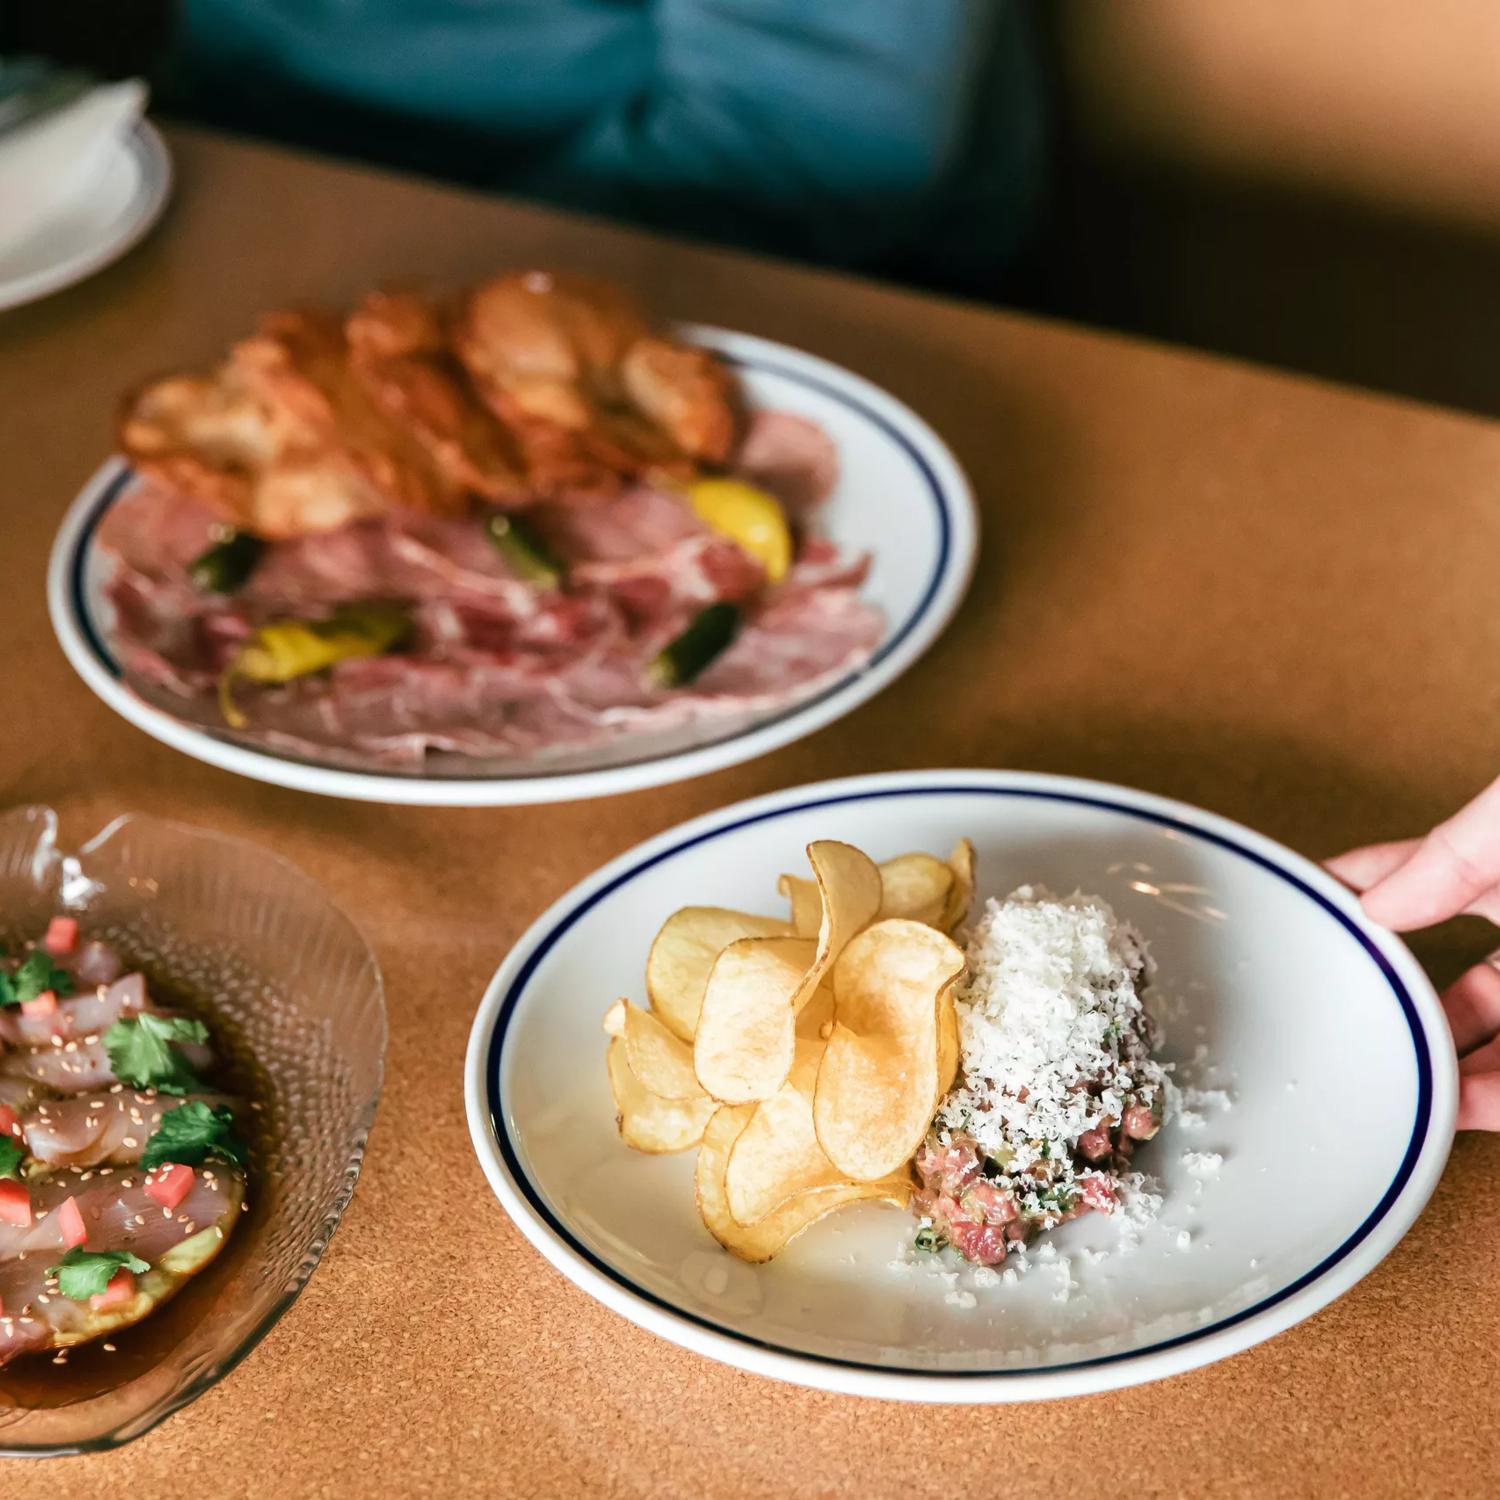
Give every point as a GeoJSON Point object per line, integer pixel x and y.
{"type": "Point", "coordinates": [916, 887]}
{"type": "Point", "coordinates": [919, 887]}
{"type": "Point", "coordinates": [743, 1048]}
{"type": "Point", "coordinates": [815, 1019]}
{"type": "Point", "coordinates": [849, 893]}
{"type": "Point", "coordinates": [777, 1155]}
{"type": "Point", "coordinates": [769, 1236]}
{"type": "Point", "coordinates": [948, 1046]}
{"type": "Point", "coordinates": [807, 904]}
{"type": "Point", "coordinates": [805, 1057]}
{"type": "Point", "coordinates": [683, 953]}
{"type": "Point", "coordinates": [878, 1079]}
{"type": "Point", "coordinates": [649, 1123]}
{"type": "Point", "coordinates": [961, 893]}
{"type": "Point", "coordinates": [661, 1061]}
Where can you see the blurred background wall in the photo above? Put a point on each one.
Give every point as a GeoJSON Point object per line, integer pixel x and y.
{"type": "Point", "coordinates": [1315, 184]}
{"type": "Point", "coordinates": [1311, 183]}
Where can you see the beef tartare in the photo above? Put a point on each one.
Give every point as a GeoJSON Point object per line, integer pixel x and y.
{"type": "Point", "coordinates": [1058, 1084]}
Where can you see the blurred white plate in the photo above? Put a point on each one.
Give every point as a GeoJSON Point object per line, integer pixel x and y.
{"type": "Point", "coordinates": [1323, 1030]}
{"type": "Point", "coordinates": [901, 498]}
{"type": "Point", "coordinates": [126, 199]}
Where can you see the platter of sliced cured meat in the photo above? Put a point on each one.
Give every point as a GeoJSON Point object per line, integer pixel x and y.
{"type": "Point", "coordinates": [515, 545]}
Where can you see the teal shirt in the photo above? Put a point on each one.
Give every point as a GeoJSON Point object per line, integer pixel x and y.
{"type": "Point", "coordinates": [882, 134]}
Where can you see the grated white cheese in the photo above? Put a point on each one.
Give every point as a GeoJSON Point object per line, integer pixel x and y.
{"type": "Point", "coordinates": [1202, 1164]}
{"type": "Point", "coordinates": [1138, 1203]}
{"type": "Point", "coordinates": [1054, 1036]}
{"type": "Point", "coordinates": [1201, 1099]}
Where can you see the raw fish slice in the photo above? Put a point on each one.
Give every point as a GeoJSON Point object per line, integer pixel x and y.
{"type": "Point", "coordinates": [82, 1066]}
{"type": "Point", "coordinates": [79, 1015]}
{"type": "Point", "coordinates": [90, 1130]}
{"type": "Point", "coordinates": [35, 1316]}
{"type": "Point", "coordinates": [17, 1092]}
{"type": "Point", "coordinates": [118, 1213]}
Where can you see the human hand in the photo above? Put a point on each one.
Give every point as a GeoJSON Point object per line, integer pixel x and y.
{"type": "Point", "coordinates": [1417, 882]}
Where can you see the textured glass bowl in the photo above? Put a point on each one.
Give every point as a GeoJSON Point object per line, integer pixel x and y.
{"type": "Point", "coordinates": [292, 989]}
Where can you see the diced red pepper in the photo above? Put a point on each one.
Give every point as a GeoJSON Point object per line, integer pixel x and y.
{"type": "Point", "coordinates": [120, 1290]}
{"type": "Point", "coordinates": [15, 1203]}
{"type": "Point", "coordinates": [70, 1223]}
{"type": "Point", "coordinates": [10, 1122]}
{"type": "Point", "coordinates": [45, 1004]}
{"type": "Point", "coordinates": [169, 1185]}
{"type": "Point", "coordinates": [62, 936]}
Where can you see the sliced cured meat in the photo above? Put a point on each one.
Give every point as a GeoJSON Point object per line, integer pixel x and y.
{"type": "Point", "coordinates": [496, 665]}
{"type": "Point", "coordinates": [640, 522]}
{"type": "Point", "coordinates": [811, 638]}
{"type": "Point", "coordinates": [791, 457]}
{"type": "Point", "coordinates": [648, 550]}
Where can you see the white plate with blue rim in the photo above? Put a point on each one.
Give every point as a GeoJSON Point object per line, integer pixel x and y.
{"type": "Point", "coordinates": [85, 236]}
{"type": "Point", "coordinates": [901, 498]}
{"type": "Point", "coordinates": [1285, 1012]}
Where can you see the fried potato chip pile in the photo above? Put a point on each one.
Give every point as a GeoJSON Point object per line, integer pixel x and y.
{"type": "Point", "coordinates": [806, 1057]}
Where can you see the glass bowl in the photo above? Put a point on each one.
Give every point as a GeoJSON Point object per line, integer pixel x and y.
{"type": "Point", "coordinates": [292, 990]}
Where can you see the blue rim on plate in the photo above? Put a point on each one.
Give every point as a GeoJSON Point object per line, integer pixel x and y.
{"type": "Point", "coordinates": [1421, 1125]}
{"type": "Point", "coordinates": [84, 634]}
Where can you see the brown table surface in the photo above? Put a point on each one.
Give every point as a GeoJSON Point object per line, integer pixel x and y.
{"type": "Point", "coordinates": [1269, 597]}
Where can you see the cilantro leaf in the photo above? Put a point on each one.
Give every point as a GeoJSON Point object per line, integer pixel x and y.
{"type": "Point", "coordinates": [36, 975]}
{"type": "Point", "coordinates": [11, 1156]}
{"type": "Point", "coordinates": [140, 1052]}
{"type": "Point", "coordinates": [192, 1131]}
{"type": "Point", "coordinates": [82, 1274]}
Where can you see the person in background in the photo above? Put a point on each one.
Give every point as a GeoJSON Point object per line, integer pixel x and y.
{"type": "Point", "coordinates": [1415, 883]}
{"type": "Point", "coordinates": [902, 137]}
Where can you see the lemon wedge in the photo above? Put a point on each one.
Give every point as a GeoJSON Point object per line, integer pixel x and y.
{"type": "Point", "coordinates": [747, 516]}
